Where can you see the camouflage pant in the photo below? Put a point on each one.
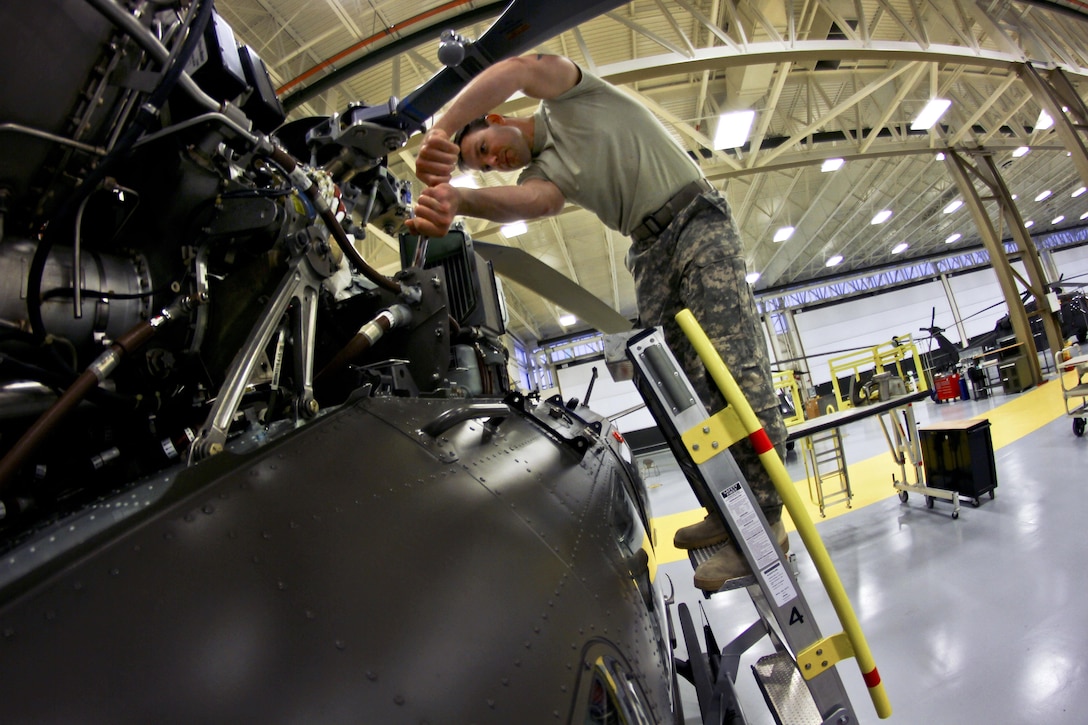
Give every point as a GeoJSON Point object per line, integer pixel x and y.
{"type": "Point", "coordinates": [696, 263]}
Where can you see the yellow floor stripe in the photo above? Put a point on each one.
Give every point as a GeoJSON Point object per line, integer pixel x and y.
{"type": "Point", "coordinates": [871, 479]}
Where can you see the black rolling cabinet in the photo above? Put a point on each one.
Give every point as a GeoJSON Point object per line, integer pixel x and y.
{"type": "Point", "coordinates": [958, 455]}
{"type": "Point", "coordinates": [1013, 366]}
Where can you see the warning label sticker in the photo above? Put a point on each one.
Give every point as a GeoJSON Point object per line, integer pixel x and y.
{"type": "Point", "coordinates": [750, 527]}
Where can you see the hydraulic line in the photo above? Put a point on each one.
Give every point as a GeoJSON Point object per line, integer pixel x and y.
{"type": "Point", "coordinates": [95, 373]}
{"type": "Point", "coordinates": [124, 20]}
{"type": "Point", "coordinates": [148, 113]}
{"type": "Point", "coordinates": [305, 184]}
{"type": "Point", "coordinates": [393, 316]}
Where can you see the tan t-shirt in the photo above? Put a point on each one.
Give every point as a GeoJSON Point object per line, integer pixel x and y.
{"type": "Point", "coordinates": [607, 153]}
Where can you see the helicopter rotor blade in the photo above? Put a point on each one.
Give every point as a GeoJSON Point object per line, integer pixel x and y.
{"type": "Point", "coordinates": [521, 267]}
{"type": "Point", "coordinates": [521, 27]}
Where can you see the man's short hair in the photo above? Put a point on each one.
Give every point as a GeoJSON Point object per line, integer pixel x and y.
{"type": "Point", "coordinates": [474, 125]}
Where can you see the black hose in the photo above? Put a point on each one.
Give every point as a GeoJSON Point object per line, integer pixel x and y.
{"type": "Point", "coordinates": [84, 383]}
{"type": "Point", "coordinates": [293, 169]}
{"type": "Point", "coordinates": [60, 381]}
{"type": "Point", "coordinates": [145, 116]}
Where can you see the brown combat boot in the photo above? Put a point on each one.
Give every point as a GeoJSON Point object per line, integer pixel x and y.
{"type": "Point", "coordinates": [728, 563]}
{"type": "Point", "coordinates": [708, 532]}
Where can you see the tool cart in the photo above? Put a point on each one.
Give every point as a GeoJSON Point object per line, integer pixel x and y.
{"type": "Point", "coordinates": [1075, 391]}
{"type": "Point", "coordinates": [958, 455]}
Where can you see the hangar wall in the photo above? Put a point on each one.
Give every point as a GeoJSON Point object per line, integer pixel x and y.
{"type": "Point", "coordinates": [833, 330]}
{"type": "Point", "coordinates": [830, 331]}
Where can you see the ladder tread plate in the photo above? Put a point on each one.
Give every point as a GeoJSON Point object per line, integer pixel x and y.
{"type": "Point", "coordinates": [785, 690]}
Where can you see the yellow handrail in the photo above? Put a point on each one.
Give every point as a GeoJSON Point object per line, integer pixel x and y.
{"type": "Point", "coordinates": [794, 505]}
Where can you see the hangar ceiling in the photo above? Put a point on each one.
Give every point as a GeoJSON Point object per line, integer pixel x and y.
{"type": "Point", "coordinates": [827, 79]}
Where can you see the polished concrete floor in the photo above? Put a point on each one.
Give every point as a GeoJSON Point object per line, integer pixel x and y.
{"type": "Point", "coordinates": [974, 620]}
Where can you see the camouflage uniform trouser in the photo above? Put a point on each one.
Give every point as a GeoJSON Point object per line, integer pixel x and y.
{"type": "Point", "coordinates": [696, 263]}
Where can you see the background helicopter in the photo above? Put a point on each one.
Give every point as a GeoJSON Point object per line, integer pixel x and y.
{"type": "Point", "coordinates": [247, 477]}
{"type": "Point", "coordinates": [1073, 313]}
{"type": "Point", "coordinates": [946, 356]}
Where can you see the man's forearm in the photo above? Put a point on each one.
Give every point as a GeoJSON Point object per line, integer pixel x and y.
{"type": "Point", "coordinates": [511, 203]}
{"type": "Point", "coordinates": [488, 90]}
{"type": "Point", "coordinates": [537, 76]}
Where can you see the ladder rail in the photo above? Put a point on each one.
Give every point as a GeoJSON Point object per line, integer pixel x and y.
{"type": "Point", "coordinates": [793, 504]}
{"type": "Point", "coordinates": [678, 411]}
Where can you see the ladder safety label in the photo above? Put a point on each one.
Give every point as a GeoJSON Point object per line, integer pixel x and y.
{"type": "Point", "coordinates": [751, 529]}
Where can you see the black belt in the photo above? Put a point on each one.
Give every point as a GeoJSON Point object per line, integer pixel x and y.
{"type": "Point", "coordinates": [655, 223]}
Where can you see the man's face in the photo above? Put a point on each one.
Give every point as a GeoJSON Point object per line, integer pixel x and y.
{"type": "Point", "coordinates": [499, 147]}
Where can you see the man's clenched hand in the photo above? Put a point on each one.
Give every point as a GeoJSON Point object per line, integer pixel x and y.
{"type": "Point", "coordinates": [437, 158]}
{"type": "Point", "coordinates": [435, 209]}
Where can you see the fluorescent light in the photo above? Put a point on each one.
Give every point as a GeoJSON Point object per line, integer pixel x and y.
{"type": "Point", "coordinates": [1044, 121]}
{"type": "Point", "coordinates": [1078, 191]}
{"type": "Point", "coordinates": [1042, 195]}
{"type": "Point", "coordinates": [514, 229]}
{"type": "Point", "coordinates": [783, 234]}
{"type": "Point", "coordinates": [832, 165]}
{"type": "Point", "coordinates": [901, 247]}
{"type": "Point", "coordinates": [835, 260]}
{"type": "Point", "coordinates": [751, 277]}
{"type": "Point", "coordinates": [882, 217]}
{"type": "Point", "coordinates": [953, 206]}
{"type": "Point", "coordinates": [1029, 224]}
{"type": "Point", "coordinates": [953, 238]}
{"type": "Point", "coordinates": [567, 320]}
{"type": "Point", "coordinates": [733, 129]}
{"type": "Point", "coordinates": [464, 182]}
{"type": "Point", "coordinates": [1058, 219]}
{"type": "Point", "coordinates": [1084, 215]}
{"type": "Point", "coordinates": [1020, 151]}
{"type": "Point", "coordinates": [929, 115]}
{"type": "Point", "coordinates": [940, 156]}
{"type": "Point", "coordinates": [1015, 197]}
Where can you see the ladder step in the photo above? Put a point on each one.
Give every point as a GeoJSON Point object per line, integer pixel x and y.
{"type": "Point", "coordinates": [698, 556]}
{"type": "Point", "coordinates": [785, 690]}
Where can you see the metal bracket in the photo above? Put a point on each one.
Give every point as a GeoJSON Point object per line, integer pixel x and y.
{"type": "Point", "coordinates": [714, 435]}
{"type": "Point", "coordinates": [824, 654]}
{"type": "Point", "coordinates": [300, 283]}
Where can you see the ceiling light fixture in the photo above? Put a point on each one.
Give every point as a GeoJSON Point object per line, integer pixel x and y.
{"type": "Point", "coordinates": [1078, 191]}
{"type": "Point", "coordinates": [832, 165]}
{"type": "Point", "coordinates": [1084, 216]}
{"type": "Point", "coordinates": [1020, 151]}
{"type": "Point", "coordinates": [930, 113]}
{"type": "Point", "coordinates": [514, 229]}
{"type": "Point", "coordinates": [835, 260]}
{"type": "Point", "coordinates": [1042, 195]}
{"type": "Point", "coordinates": [1044, 121]}
{"type": "Point", "coordinates": [882, 217]}
{"type": "Point", "coordinates": [901, 247]}
{"type": "Point", "coordinates": [939, 156]}
{"type": "Point", "coordinates": [567, 320]}
{"type": "Point", "coordinates": [953, 206]}
{"type": "Point", "coordinates": [751, 277]}
{"type": "Point", "coordinates": [953, 238]}
{"type": "Point", "coordinates": [783, 234]}
{"type": "Point", "coordinates": [733, 129]}
{"type": "Point", "coordinates": [1029, 224]}
{"type": "Point", "coordinates": [1058, 219]}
